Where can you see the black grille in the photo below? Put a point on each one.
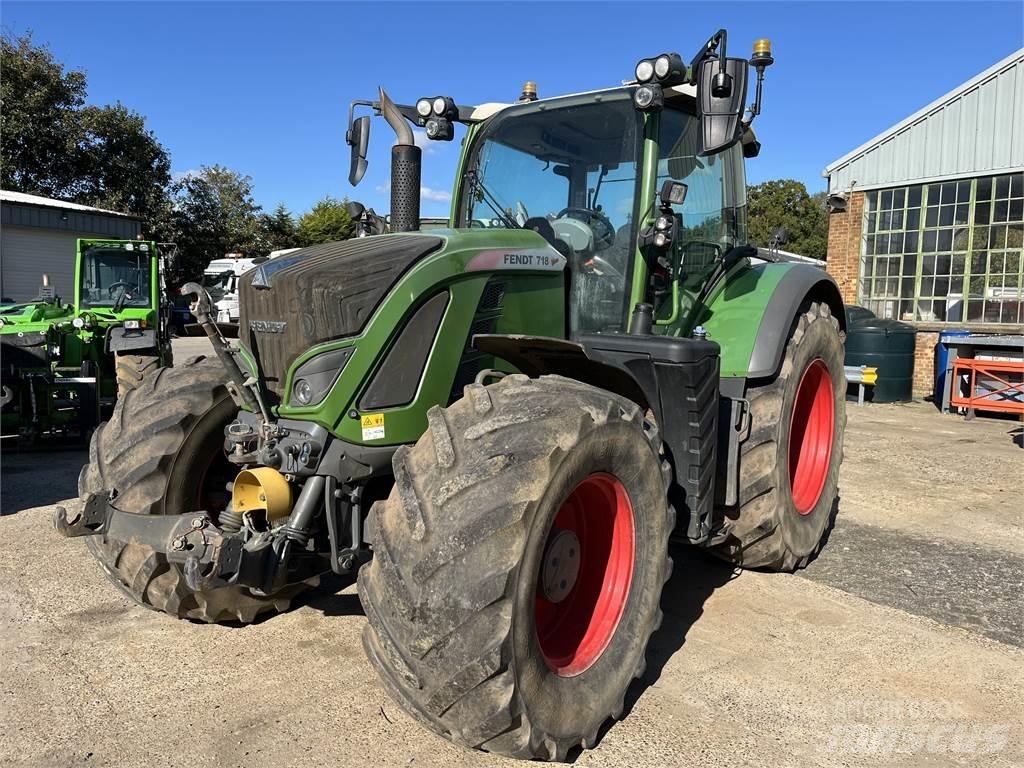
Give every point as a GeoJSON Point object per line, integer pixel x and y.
{"type": "Point", "coordinates": [320, 293]}
{"type": "Point", "coordinates": [485, 320]}
{"type": "Point", "coordinates": [492, 297]}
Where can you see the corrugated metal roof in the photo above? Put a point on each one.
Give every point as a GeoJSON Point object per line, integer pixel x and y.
{"type": "Point", "coordinates": [975, 129]}
{"type": "Point", "coordinates": [23, 198]}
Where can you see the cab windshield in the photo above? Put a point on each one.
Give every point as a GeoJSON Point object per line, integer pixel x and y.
{"type": "Point", "coordinates": [217, 284]}
{"type": "Point", "coordinates": [569, 170]}
{"type": "Point", "coordinates": [115, 277]}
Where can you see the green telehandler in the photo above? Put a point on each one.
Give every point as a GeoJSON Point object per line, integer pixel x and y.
{"type": "Point", "coordinates": [63, 365]}
{"type": "Point", "coordinates": [514, 415]}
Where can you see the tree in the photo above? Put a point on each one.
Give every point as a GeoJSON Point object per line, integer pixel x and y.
{"type": "Point", "coordinates": [38, 118]}
{"type": "Point", "coordinates": [785, 203]}
{"type": "Point", "coordinates": [326, 222]}
{"type": "Point", "coordinates": [279, 229]}
{"type": "Point", "coordinates": [213, 213]}
{"type": "Point", "coordinates": [121, 166]}
{"type": "Point", "coordinates": [53, 145]}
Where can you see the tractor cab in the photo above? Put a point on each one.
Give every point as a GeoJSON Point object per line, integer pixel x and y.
{"type": "Point", "coordinates": [586, 172]}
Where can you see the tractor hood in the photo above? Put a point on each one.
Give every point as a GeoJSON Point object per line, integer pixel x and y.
{"type": "Point", "coordinates": [319, 293]}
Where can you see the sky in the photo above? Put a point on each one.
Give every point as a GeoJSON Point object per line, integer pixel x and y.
{"type": "Point", "coordinates": [264, 87]}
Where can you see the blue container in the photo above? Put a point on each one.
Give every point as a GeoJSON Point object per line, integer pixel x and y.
{"type": "Point", "coordinates": [942, 362]}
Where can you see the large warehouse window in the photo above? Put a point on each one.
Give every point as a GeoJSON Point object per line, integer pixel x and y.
{"type": "Point", "coordinates": [946, 252]}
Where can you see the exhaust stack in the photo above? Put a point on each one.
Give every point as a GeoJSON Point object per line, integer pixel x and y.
{"type": "Point", "coordinates": [406, 161]}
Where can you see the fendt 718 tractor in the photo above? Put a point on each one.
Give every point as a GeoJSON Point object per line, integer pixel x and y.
{"type": "Point", "coordinates": [62, 364]}
{"type": "Point", "coordinates": [514, 415]}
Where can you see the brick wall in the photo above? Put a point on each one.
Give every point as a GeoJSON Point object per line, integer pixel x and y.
{"type": "Point", "coordinates": [924, 363]}
{"type": "Point", "coordinates": [844, 246]}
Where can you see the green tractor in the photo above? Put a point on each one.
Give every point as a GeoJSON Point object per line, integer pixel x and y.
{"type": "Point", "coordinates": [514, 415]}
{"type": "Point", "coordinates": [64, 365]}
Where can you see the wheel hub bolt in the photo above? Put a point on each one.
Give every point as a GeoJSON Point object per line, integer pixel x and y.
{"type": "Point", "coordinates": [561, 565]}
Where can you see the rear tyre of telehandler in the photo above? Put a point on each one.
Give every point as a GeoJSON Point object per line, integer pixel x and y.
{"type": "Point", "coordinates": [518, 565]}
{"type": "Point", "coordinates": [162, 452]}
{"type": "Point", "coordinates": [789, 465]}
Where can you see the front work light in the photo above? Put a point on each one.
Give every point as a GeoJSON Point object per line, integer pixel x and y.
{"type": "Point", "coordinates": [666, 69]}
{"type": "Point", "coordinates": [649, 97]}
{"type": "Point", "coordinates": [423, 107]}
{"type": "Point", "coordinates": [132, 325]}
{"type": "Point", "coordinates": [644, 70]}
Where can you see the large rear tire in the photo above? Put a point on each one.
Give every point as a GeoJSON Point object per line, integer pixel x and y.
{"type": "Point", "coordinates": [789, 465]}
{"type": "Point", "coordinates": [162, 453]}
{"type": "Point", "coordinates": [518, 565]}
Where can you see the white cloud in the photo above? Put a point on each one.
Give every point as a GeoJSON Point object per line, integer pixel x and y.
{"type": "Point", "coordinates": [426, 193]}
{"type": "Point", "coordinates": [440, 195]}
{"type": "Point", "coordinates": [419, 138]}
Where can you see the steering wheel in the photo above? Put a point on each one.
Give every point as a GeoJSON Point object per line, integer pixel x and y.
{"type": "Point", "coordinates": [604, 230]}
{"type": "Point", "coordinates": [124, 285]}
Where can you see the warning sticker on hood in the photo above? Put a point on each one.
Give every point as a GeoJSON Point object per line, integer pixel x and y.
{"type": "Point", "coordinates": [373, 426]}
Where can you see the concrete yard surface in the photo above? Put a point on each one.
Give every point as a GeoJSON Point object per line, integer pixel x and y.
{"type": "Point", "coordinates": [900, 646]}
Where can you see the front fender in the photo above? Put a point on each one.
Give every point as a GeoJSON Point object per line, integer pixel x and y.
{"type": "Point", "coordinates": [752, 313]}
{"type": "Point", "coordinates": [120, 339]}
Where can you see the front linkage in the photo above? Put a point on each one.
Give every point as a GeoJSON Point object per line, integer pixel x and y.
{"type": "Point", "coordinates": [211, 557]}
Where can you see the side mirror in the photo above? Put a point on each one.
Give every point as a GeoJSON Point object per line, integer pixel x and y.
{"type": "Point", "coordinates": [358, 137]}
{"type": "Point", "coordinates": [779, 237]}
{"type": "Point", "coordinates": [721, 94]}
{"type": "Point", "coordinates": [354, 209]}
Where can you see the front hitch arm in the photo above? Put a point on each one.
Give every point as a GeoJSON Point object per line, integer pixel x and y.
{"type": "Point", "coordinates": [210, 558]}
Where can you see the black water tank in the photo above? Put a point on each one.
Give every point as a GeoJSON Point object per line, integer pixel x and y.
{"type": "Point", "coordinates": [887, 345]}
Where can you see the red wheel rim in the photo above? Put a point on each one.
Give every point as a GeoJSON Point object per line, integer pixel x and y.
{"type": "Point", "coordinates": [574, 631]}
{"type": "Point", "coordinates": [811, 429]}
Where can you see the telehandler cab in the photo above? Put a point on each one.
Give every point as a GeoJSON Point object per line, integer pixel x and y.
{"type": "Point", "coordinates": [514, 415]}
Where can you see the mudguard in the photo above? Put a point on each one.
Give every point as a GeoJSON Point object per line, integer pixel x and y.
{"type": "Point", "coordinates": [752, 313]}
{"type": "Point", "coordinates": [123, 340]}
{"type": "Point", "coordinates": [676, 378]}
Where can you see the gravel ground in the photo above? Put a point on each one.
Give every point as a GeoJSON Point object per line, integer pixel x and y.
{"type": "Point", "coordinates": [900, 646]}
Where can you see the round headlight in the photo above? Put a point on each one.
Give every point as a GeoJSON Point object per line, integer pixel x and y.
{"type": "Point", "coordinates": [423, 107]}
{"type": "Point", "coordinates": [644, 71]}
{"type": "Point", "coordinates": [660, 240]}
{"type": "Point", "coordinates": [661, 223]}
{"type": "Point", "coordinates": [644, 96]}
{"type": "Point", "coordinates": [439, 106]}
{"type": "Point", "coordinates": [303, 392]}
{"type": "Point", "coordinates": [661, 65]}
{"type": "Point", "coordinates": [78, 322]}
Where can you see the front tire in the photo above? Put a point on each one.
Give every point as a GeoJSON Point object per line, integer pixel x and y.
{"type": "Point", "coordinates": [132, 369]}
{"type": "Point", "coordinates": [480, 623]}
{"type": "Point", "coordinates": [162, 452]}
{"type": "Point", "coordinates": [789, 465]}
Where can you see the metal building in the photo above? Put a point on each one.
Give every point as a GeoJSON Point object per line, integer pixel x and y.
{"type": "Point", "coordinates": [927, 222]}
{"type": "Point", "coordinates": [37, 236]}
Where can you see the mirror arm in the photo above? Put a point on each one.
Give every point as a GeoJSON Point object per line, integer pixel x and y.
{"type": "Point", "coordinates": [716, 41]}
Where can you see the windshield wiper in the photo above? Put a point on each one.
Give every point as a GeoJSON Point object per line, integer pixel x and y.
{"type": "Point", "coordinates": [492, 202]}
